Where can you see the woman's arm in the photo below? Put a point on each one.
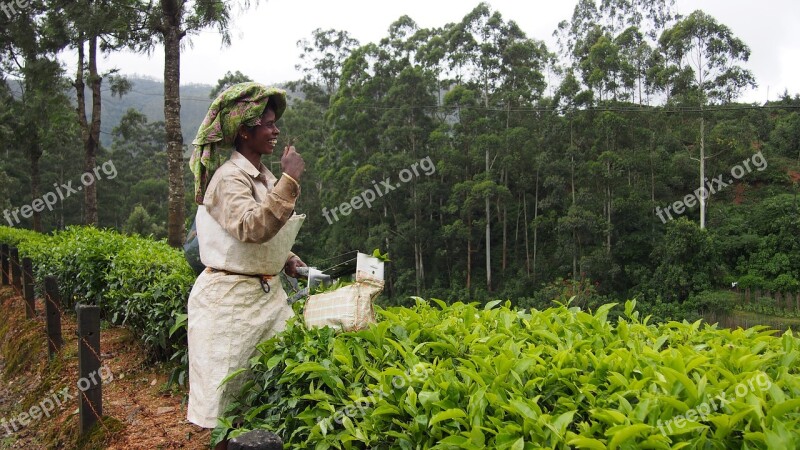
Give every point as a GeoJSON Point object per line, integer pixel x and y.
{"type": "Point", "coordinates": [231, 203]}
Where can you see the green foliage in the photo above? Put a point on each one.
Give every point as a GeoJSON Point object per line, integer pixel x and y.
{"type": "Point", "coordinates": [140, 222]}
{"type": "Point", "coordinates": [381, 256]}
{"type": "Point", "coordinates": [462, 376]}
{"type": "Point", "coordinates": [147, 283]}
{"type": "Point", "coordinates": [81, 257]}
{"type": "Point", "coordinates": [137, 282]}
{"type": "Point", "coordinates": [752, 281]}
{"type": "Point", "coordinates": [786, 283]}
{"type": "Point", "coordinates": [322, 288]}
{"type": "Point", "coordinates": [771, 307]}
{"type": "Point", "coordinates": [581, 293]}
{"type": "Point", "coordinates": [717, 302]}
{"type": "Point", "coordinates": [687, 261]}
{"type": "Point", "coordinates": [20, 237]}
{"type": "Point", "coordinates": [227, 81]}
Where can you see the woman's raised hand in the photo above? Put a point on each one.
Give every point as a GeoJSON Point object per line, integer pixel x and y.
{"type": "Point", "coordinates": [292, 163]}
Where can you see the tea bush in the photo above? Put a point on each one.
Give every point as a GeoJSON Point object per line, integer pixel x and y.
{"type": "Point", "coordinates": [464, 377]}
{"type": "Point", "coordinates": [136, 281]}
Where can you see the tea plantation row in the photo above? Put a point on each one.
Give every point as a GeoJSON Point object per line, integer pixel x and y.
{"type": "Point", "coordinates": [459, 376]}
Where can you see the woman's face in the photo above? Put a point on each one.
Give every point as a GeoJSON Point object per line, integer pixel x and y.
{"type": "Point", "coordinates": [263, 138]}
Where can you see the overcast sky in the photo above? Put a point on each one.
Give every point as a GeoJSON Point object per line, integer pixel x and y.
{"type": "Point", "coordinates": [264, 38]}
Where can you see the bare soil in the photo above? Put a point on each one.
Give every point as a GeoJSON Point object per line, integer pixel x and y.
{"type": "Point", "coordinates": [140, 410]}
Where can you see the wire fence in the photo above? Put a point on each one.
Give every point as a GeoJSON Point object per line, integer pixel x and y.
{"type": "Point", "coordinates": [19, 275]}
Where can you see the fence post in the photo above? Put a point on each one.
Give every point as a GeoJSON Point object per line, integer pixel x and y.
{"type": "Point", "coordinates": [4, 264]}
{"type": "Point", "coordinates": [90, 382]}
{"type": "Point", "coordinates": [52, 302]}
{"type": "Point", "coordinates": [16, 279]}
{"type": "Point", "coordinates": [256, 440]}
{"type": "Point", "coordinates": [27, 288]}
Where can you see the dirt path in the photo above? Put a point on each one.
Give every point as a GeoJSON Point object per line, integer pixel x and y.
{"type": "Point", "coordinates": [142, 411]}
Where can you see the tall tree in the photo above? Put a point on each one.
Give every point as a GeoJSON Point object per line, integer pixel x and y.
{"type": "Point", "coordinates": [227, 81]}
{"type": "Point", "coordinates": [96, 26]}
{"type": "Point", "coordinates": [171, 21]}
{"type": "Point", "coordinates": [707, 50]}
{"type": "Point", "coordinates": [28, 52]}
{"type": "Point", "coordinates": [321, 59]}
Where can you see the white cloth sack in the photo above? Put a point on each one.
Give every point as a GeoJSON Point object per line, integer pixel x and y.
{"type": "Point", "coordinates": [220, 250]}
{"type": "Point", "coordinates": [348, 308]}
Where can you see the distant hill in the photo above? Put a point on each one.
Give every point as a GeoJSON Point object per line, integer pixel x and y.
{"type": "Point", "coordinates": [147, 97]}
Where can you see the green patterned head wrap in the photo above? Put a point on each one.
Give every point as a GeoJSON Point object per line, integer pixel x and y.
{"type": "Point", "coordinates": [240, 104]}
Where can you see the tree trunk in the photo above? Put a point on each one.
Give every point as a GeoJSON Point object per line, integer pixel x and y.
{"type": "Point", "coordinates": [652, 172]}
{"type": "Point", "coordinates": [172, 118]}
{"type": "Point", "coordinates": [35, 154]}
{"type": "Point", "coordinates": [504, 179]}
{"type": "Point", "coordinates": [469, 252]}
{"type": "Point", "coordinates": [702, 170]}
{"type": "Point", "coordinates": [525, 230]}
{"type": "Point", "coordinates": [608, 209]}
{"type": "Point", "coordinates": [535, 226]}
{"type": "Point", "coordinates": [488, 236]}
{"type": "Point", "coordinates": [419, 268]}
{"type": "Point", "coordinates": [93, 143]}
{"type": "Point", "coordinates": [388, 277]}
{"type": "Point", "coordinates": [516, 228]}
{"type": "Point", "coordinates": [89, 145]}
{"type": "Point", "coordinates": [572, 188]}
{"type": "Point", "coordinates": [505, 237]}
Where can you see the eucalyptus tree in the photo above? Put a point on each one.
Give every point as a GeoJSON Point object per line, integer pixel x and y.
{"type": "Point", "coordinates": [93, 25]}
{"type": "Point", "coordinates": [407, 127]}
{"type": "Point", "coordinates": [634, 52]}
{"type": "Point", "coordinates": [710, 56]}
{"type": "Point", "coordinates": [321, 60]}
{"type": "Point", "coordinates": [345, 163]}
{"type": "Point", "coordinates": [28, 49]}
{"type": "Point", "coordinates": [504, 67]}
{"type": "Point", "coordinates": [169, 22]}
{"type": "Point", "coordinates": [380, 119]}
{"type": "Point", "coordinates": [785, 137]}
{"type": "Point", "coordinates": [227, 81]}
{"type": "Point", "coordinates": [139, 151]}
{"type": "Point", "coordinates": [610, 43]}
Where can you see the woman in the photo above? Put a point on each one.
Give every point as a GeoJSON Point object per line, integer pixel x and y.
{"type": "Point", "coordinates": [246, 226]}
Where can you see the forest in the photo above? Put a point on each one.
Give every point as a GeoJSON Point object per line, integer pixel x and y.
{"type": "Point", "coordinates": [617, 165]}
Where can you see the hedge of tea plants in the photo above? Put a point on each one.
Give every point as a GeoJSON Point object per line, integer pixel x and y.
{"type": "Point", "coordinates": [137, 282]}
{"type": "Point", "coordinates": [461, 376]}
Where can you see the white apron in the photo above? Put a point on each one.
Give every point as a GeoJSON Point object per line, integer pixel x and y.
{"type": "Point", "coordinates": [228, 316]}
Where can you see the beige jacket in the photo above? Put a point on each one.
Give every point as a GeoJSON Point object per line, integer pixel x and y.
{"type": "Point", "coordinates": [250, 203]}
